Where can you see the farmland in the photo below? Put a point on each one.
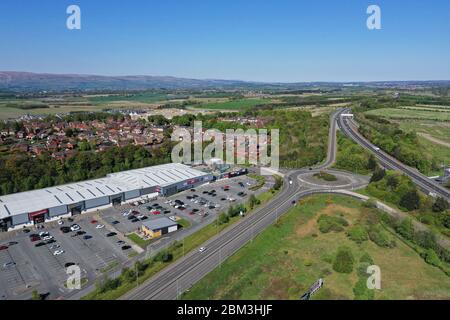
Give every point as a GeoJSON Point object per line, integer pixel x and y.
{"type": "Point", "coordinates": [407, 113]}
{"type": "Point", "coordinates": [240, 104]}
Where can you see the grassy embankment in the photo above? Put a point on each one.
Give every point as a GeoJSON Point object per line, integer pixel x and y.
{"type": "Point", "coordinates": [109, 289]}
{"type": "Point", "coordinates": [283, 261]}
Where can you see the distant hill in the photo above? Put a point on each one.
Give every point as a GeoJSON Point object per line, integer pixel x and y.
{"type": "Point", "coordinates": [27, 81]}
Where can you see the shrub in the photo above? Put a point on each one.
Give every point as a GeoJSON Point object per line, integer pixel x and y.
{"type": "Point", "coordinates": [366, 258]}
{"type": "Point", "coordinates": [163, 257]}
{"type": "Point", "coordinates": [410, 200]}
{"type": "Point", "coordinates": [371, 204]}
{"type": "Point", "coordinates": [380, 237]}
{"type": "Point", "coordinates": [425, 239]}
{"type": "Point", "coordinates": [329, 223]}
{"type": "Point", "coordinates": [108, 285]}
{"type": "Point", "coordinates": [377, 175]}
{"type": "Point", "coordinates": [343, 263]}
{"type": "Point", "coordinates": [431, 257]}
{"type": "Point", "coordinates": [223, 218]}
{"type": "Point", "coordinates": [357, 233]}
{"type": "Point", "coordinates": [325, 176]}
{"type": "Point", "coordinates": [405, 228]}
{"type": "Point", "coordinates": [440, 205]}
{"type": "Point", "coordinates": [362, 269]}
{"type": "Point", "coordinates": [361, 291]}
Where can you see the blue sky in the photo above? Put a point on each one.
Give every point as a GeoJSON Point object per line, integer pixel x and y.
{"type": "Point", "coordinates": [262, 40]}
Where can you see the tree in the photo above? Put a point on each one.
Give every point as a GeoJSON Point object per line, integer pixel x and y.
{"type": "Point", "coordinates": [440, 205]}
{"type": "Point", "coordinates": [343, 263]}
{"type": "Point", "coordinates": [372, 163]}
{"type": "Point", "coordinates": [378, 174]}
{"type": "Point", "coordinates": [69, 132]}
{"type": "Point", "coordinates": [223, 218]}
{"type": "Point", "coordinates": [405, 229]}
{"type": "Point", "coordinates": [410, 200]}
{"type": "Point", "coordinates": [253, 201]}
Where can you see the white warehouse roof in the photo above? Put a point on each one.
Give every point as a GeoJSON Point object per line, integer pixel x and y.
{"type": "Point", "coordinates": [113, 184]}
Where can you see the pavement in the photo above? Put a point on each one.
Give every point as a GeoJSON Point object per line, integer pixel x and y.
{"type": "Point", "coordinates": [179, 276]}
{"type": "Point", "coordinates": [348, 127]}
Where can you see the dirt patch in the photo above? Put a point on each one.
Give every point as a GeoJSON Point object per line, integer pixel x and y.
{"type": "Point", "coordinates": [433, 139]}
{"type": "Point", "coordinates": [307, 228]}
{"type": "Point", "coordinates": [336, 209]}
{"type": "Point", "coordinates": [277, 289]}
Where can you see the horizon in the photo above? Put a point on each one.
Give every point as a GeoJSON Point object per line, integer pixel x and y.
{"type": "Point", "coordinates": [216, 79]}
{"type": "Point", "coordinates": [270, 42]}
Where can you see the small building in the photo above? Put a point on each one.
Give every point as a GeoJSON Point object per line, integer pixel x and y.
{"type": "Point", "coordinates": [158, 227]}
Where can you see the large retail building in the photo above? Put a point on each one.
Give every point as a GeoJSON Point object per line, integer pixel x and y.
{"type": "Point", "coordinates": [51, 203]}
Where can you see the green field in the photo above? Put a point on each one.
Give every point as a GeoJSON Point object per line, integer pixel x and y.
{"type": "Point", "coordinates": [240, 104]}
{"type": "Point", "coordinates": [146, 97]}
{"type": "Point", "coordinates": [435, 129]}
{"type": "Point", "coordinates": [288, 257]}
{"type": "Point", "coordinates": [397, 113]}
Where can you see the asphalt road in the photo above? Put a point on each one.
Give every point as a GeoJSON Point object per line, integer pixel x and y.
{"type": "Point", "coordinates": [182, 274]}
{"type": "Point", "coordinates": [425, 184]}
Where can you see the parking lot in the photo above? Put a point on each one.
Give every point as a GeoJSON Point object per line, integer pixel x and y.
{"type": "Point", "coordinates": [98, 243]}
{"type": "Point", "coordinates": [193, 205]}
{"type": "Point", "coordinates": [33, 261]}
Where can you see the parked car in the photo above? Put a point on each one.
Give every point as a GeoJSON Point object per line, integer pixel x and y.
{"type": "Point", "coordinates": [111, 234]}
{"type": "Point", "coordinates": [125, 214]}
{"type": "Point", "coordinates": [75, 227]}
{"type": "Point", "coordinates": [65, 229]}
{"type": "Point", "coordinates": [87, 237]}
{"type": "Point", "coordinates": [40, 244]}
{"type": "Point", "coordinates": [126, 247]}
{"type": "Point", "coordinates": [47, 238]}
{"type": "Point", "coordinates": [144, 218]}
{"type": "Point", "coordinates": [58, 252]}
{"type": "Point", "coordinates": [156, 212]}
{"type": "Point", "coordinates": [35, 238]}
{"type": "Point", "coordinates": [12, 243]}
{"type": "Point", "coordinates": [201, 249]}
{"type": "Point", "coordinates": [60, 222]}
{"type": "Point", "coordinates": [115, 222]}
{"type": "Point", "coordinates": [135, 220]}
{"type": "Point", "coordinates": [9, 264]}
{"type": "Point", "coordinates": [44, 233]}
{"type": "Point", "coordinates": [69, 264]}
{"type": "Point", "coordinates": [3, 248]}
{"type": "Point", "coordinates": [80, 233]}
{"type": "Point", "coordinates": [120, 242]}
{"type": "Point", "coordinates": [50, 241]}
{"type": "Point", "coordinates": [94, 221]}
{"type": "Point", "coordinates": [99, 226]}
{"type": "Point", "coordinates": [26, 230]}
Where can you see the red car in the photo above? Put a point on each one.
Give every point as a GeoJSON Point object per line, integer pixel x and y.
{"type": "Point", "coordinates": [34, 239]}
{"type": "Point", "coordinates": [156, 212]}
{"type": "Point", "coordinates": [3, 248]}
{"type": "Point", "coordinates": [94, 221]}
{"type": "Point", "coordinates": [135, 212]}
